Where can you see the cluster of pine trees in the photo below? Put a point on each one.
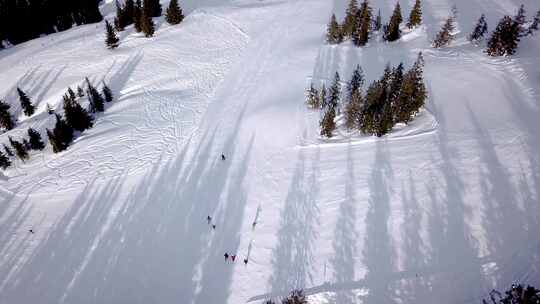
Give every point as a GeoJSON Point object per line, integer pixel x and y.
{"type": "Point", "coordinates": [395, 98]}
{"type": "Point", "coordinates": [140, 15]}
{"type": "Point", "coordinates": [295, 297]}
{"type": "Point", "coordinates": [360, 23]}
{"type": "Point", "coordinates": [22, 20]}
{"type": "Point", "coordinates": [503, 41]}
{"type": "Point", "coordinates": [75, 119]}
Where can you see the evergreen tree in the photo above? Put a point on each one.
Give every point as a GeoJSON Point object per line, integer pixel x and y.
{"type": "Point", "coordinates": [76, 116]}
{"type": "Point", "coordinates": [535, 24]}
{"type": "Point", "coordinates": [357, 81]}
{"type": "Point", "coordinates": [396, 82]}
{"type": "Point", "coordinates": [147, 25]}
{"type": "Point", "coordinates": [327, 122]}
{"type": "Point", "coordinates": [107, 93]}
{"type": "Point", "coordinates": [505, 38]}
{"type": "Point", "coordinates": [111, 40]}
{"type": "Point", "coordinates": [415, 18]}
{"type": "Point", "coordinates": [335, 92]}
{"type": "Point", "coordinates": [520, 19]}
{"type": "Point", "coordinates": [35, 140]}
{"type": "Point", "coordinates": [97, 103]}
{"type": "Point", "coordinates": [62, 135]}
{"type": "Point", "coordinates": [119, 20]}
{"type": "Point", "coordinates": [8, 150]}
{"type": "Point", "coordinates": [480, 29]}
{"type": "Point", "coordinates": [333, 35]}
{"type": "Point", "coordinates": [20, 149]}
{"type": "Point", "coordinates": [446, 35]}
{"type": "Point", "coordinates": [152, 8]}
{"type": "Point", "coordinates": [313, 97]}
{"type": "Point", "coordinates": [363, 25]}
{"type": "Point", "coordinates": [26, 103]}
{"type": "Point", "coordinates": [129, 9]}
{"type": "Point", "coordinates": [377, 25]}
{"type": "Point", "coordinates": [324, 97]}
{"type": "Point", "coordinates": [174, 14]}
{"type": "Point", "coordinates": [353, 109]}
{"type": "Point", "coordinates": [296, 297]}
{"type": "Point", "coordinates": [71, 94]}
{"type": "Point", "coordinates": [391, 30]}
{"type": "Point", "coordinates": [350, 19]}
{"type": "Point", "coordinates": [413, 93]}
{"type": "Point", "coordinates": [80, 91]}
{"type": "Point", "coordinates": [6, 121]}
{"type": "Point", "coordinates": [4, 161]}
{"type": "Point", "coordinates": [137, 16]}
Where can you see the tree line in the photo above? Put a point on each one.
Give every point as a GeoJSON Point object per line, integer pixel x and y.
{"type": "Point", "coordinates": [504, 40]}
{"type": "Point", "coordinates": [140, 15]}
{"type": "Point", "coordinates": [395, 98]}
{"type": "Point", "coordinates": [75, 120]}
{"type": "Point", "coordinates": [360, 23]}
{"type": "Point", "coordinates": [22, 20]}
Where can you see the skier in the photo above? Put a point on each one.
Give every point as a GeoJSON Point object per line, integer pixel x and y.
{"type": "Point", "coordinates": [233, 257]}
{"type": "Point", "coordinates": [226, 255]}
{"type": "Point", "coordinates": [245, 261]}
{"type": "Point", "coordinates": [222, 157]}
{"type": "Point", "coordinates": [214, 227]}
{"type": "Point", "coordinates": [31, 231]}
{"type": "Point", "coordinates": [209, 218]}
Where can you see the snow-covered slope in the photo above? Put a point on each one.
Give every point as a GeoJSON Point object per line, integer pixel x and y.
{"type": "Point", "coordinates": [443, 210]}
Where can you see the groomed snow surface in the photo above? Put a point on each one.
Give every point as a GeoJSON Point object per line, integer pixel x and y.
{"type": "Point", "coordinates": [440, 211]}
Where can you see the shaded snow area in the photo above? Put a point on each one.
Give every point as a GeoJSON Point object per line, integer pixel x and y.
{"type": "Point", "coordinates": [442, 210]}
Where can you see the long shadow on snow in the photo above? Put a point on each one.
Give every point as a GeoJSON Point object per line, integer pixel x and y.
{"type": "Point", "coordinates": [345, 236]}
{"type": "Point", "coordinates": [292, 258]}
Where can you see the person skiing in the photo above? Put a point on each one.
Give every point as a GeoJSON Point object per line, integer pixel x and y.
{"type": "Point", "coordinates": [222, 157]}
{"type": "Point", "coordinates": [214, 226]}
{"type": "Point", "coordinates": [226, 255]}
{"type": "Point", "coordinates": [233, 257]}
{"type": "Point", "coordinates": [209, 218]}
{"type": "Point", "coordinates": [245, 261]}
{"type": "Point", "coordinates": [31, 231]}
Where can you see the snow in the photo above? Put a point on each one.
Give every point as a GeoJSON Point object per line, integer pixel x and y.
{"type": "Point", "coordinates": [444, 209]}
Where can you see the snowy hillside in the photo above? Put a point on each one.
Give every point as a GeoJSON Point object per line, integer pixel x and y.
{"type": "Point", "coordinates": [442, 210]}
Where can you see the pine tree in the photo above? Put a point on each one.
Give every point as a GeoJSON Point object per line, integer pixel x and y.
{"type": "Point", "coordinates": [356, 83]}
{"type": "Point", "coordinates": [152, 8]}
{"type": "Point", "coordinates": [111, 40]}
{"type": "Point", "coordinates": [62, 135]}
{"type": "Point", "coordinates": [71, 94]}
{"type": "Point", "coordinates": [26, 103]}
{"type": "Point", "coordinates": [480, 29]}
{"type": "Point", "coordinates": [147, 25]}
{"type": "Point", "coordinates": [6, 121]}
{"type": "Point", "coordinates": [107, 93]}
{"type": "Point", "coordinates": [520, 20]}
{"type": "Point", "coordinates": [395, 83]}
{"type": "Point", "coordinates": [377, 25]}
{"type": "Point", "coordinates": [295, 297]}
{"type": "Point", "coordinates": [323, 99]}
{"type": "Point", "coordinates": [362, 29]}
{"type": "Point", "coordinates": [335, 92]}
{"type": "Point", "coordinates": [505, 38]}
{"type": "Point", "coordinates": [8, 150]}
{"type": "Point", "coordinates": [446, 35]}
{"type": "Point", "coordinates": [415, 18]}
{"type": "Point", "coordinates": [97, 103]}
{"type": "Point", "coordinates": [20, 149]}
{"type": "Point", "coordinates": [327, 123]}
{"type": "Point", "coordinates": [4, 161]}
{"type": "Point", "coordinates": [350, 19]}
{"type": "Point", "coordinates": [80, 91]}
{"type": "Point", "coordinates": [35, 140]}
{"type": "Point", "coordinates": [413, 93]}
{"type": "Point", "coordinates": [76, 116]}
{"type": "Point", "coordinates": [174, 14]}
{"type": "Point", "coordinates": [137, 16]}
{"type": "Point", "coordinates": [535, 24]}
{"type": "Point", "coordinates": [391, 30]}
{"type": "Point", "coordinates": [119, 20]}
{"type": "Point", "coordinates": [129, 9]}
{"type": "Point", "coordinates": [353, 108]}
{"type": "Point", "coordinates": [313, 97]}
{"type": "Point", "coordinates": [333, 34]}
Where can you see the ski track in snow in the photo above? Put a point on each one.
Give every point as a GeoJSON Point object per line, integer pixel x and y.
{"type": "Point", "coordinates": [444, 209]}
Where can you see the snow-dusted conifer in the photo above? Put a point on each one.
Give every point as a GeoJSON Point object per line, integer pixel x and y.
{"type": "Point", "coordinates": [147, 25]}
{"type": "Point", "coordinates": [480, 29]}
{"type": "Point", "coordinates": [362, 29]}
{"type": "Point", "coordinates": [333, 33]}
{"type": "Point", "coordinates": [35, 141]}
{"type": "Point", "coordinates": [174, 14]}
{"type": "Point", "coordinates": [446, 34]}
{"type": "Point", "coordinates": [6, 120]}
{"type": "Point", "coordinates": [111, 40]}
{"type": "Point", "coordinates": [350, 19]}
{"type": "Point", "coordinates": [415, 17]}
{"type": "Point", "coordinates": [26, 103]}
{"type": "Point", "coordinates": [327, 122]}
{"type": "Point", "coordinates": [313, 97]}
{"type": "Point", "coordinates": [505, 38]}
{"type": "Point", "coordinates": [20, 149]}
{"type": "Point", "coordinates": [391, 30]}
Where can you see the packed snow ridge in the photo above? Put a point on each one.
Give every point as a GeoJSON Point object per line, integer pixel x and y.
{"type": "Point", "coordinates": [444, 209]}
